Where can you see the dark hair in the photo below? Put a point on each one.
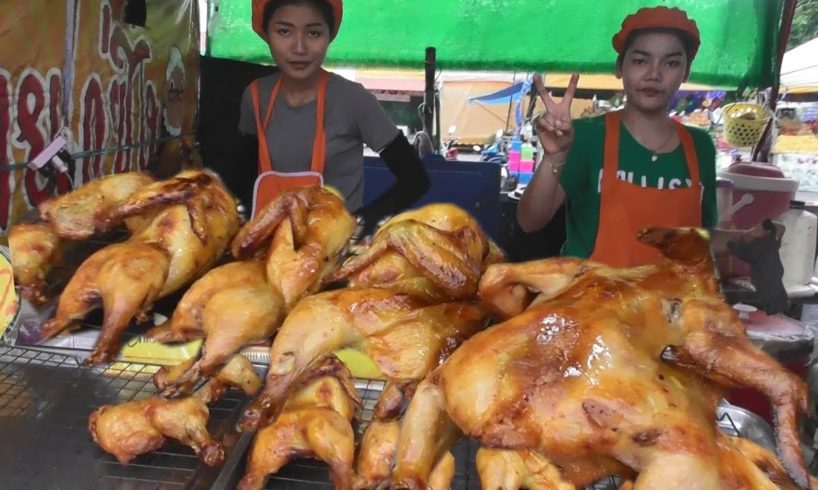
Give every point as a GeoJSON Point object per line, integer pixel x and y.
{"type": "Point", "coordinates": [322, 6]}
{"type": "Point", "coordinates": [683, 37]}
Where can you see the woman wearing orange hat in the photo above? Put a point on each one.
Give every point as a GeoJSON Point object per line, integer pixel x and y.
{"type": "Point", "coordinates": [629, 169]}
{"type": "Point", "coordinates": [306, 126]}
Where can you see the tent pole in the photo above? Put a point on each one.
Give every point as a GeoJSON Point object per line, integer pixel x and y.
{"type": "Point", "coordinates": [429, 97]}
{"type": "Point", "coordinates": [761, 152]}
{"type": "Point", "coordinates": [510, 103]}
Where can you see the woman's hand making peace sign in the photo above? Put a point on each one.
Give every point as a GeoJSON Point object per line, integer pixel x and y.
{"type": "Point", "coordinates": [554, 128]}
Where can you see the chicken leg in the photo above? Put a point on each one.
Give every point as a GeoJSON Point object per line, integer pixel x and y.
{"type": "Point", "coordinates": [315, 423]}
{"type": "Point", "coordinates": [140, 426]}
{"type": "Point", "coordinates": [717, 348]}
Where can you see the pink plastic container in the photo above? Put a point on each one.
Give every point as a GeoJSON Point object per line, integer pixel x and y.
{"type": "Point", "coordinates": [759, 192]}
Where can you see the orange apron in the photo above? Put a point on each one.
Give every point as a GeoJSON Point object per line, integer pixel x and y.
{"type": "Point", "coordinates": [270, 183]}
{"type": "Point", "coordinates": [625, 208]}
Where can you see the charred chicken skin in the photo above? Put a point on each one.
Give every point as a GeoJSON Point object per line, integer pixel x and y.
{"type": "Point", "coordinates": [284, 252]}
{"type": "Point", "coordinates": [315, 423]}
{"type": "Point", "coordinates": [192, 218]}
{"type": "Point", "coordinates": [140, 426]}
{"type": "Point", "coordinates": [597, 368]}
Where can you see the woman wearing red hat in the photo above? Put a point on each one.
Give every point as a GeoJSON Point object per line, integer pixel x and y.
{"type": "Point", "coordinates": [306, 126]}
{"type": "Point", "coordinates": [629, 169]}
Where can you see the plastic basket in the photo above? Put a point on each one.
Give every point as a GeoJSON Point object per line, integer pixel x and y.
{"type": "Point", "coordinates": [744, 122]}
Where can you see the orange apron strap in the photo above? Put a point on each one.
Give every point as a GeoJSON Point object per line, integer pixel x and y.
{"type": "Point", "coordinates": [319, 144]}
{"type": "Point", "coordinates": [264, 162]}
{"type": "Point", "coordinates": [610, 161]}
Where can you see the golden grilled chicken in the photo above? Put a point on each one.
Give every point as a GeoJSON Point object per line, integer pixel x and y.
{"type": "Point", "coordinates": [404, 335]}
{"type": "Point", "coordinates": [395, 307]}
{"type": "Point", "coordinates": [35, 248]}
{"type": "Point", "coordinates": [315, 423]}
{"type": "Point", "coordinates": [191, 220]}
{"type": "Point", "coordinates": [88, 210]}
{"type": "Point", "coordinates": [598, 366]}
{"type": "Point", "coordinates": [140, 426]}
{"type": "Point", "coordinates": [285, 252]}
{"type": "Point", "coordinates": [376, 457]}
{"type": "Point", "coordinates": [438, 251]}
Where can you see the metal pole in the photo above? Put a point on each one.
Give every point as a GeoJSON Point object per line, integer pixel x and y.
{"type": "Point", "coordinates": [429, 97]}
{"type": "Point", "coordinates": [760, 152]}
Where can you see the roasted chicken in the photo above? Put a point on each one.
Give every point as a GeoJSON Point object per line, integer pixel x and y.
{"type": "Point", "coordinates": [191, 220]}
{"type": "Point", "coordinates": [299, 236]}
{"type": "Point", "coordinates": [437, 252]}
{"type": "Point", "coordinates": [35, 248]}
{"type": "Point", "coordinates": [315, 423]}
{"type": "Point", "coordinates": [89, 210]}
{"type": "Point", "coordinates": [404, 335]}
{"type": "Point", "coordinates": [600, 371]}
{"type": "Point", "coordinates": [140, 426]}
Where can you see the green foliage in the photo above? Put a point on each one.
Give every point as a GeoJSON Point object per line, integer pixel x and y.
{"type": "Point", "coordinates": [804, 24]}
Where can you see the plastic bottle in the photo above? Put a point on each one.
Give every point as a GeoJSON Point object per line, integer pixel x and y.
{"type": "Point", "coordinates": [798, 244]}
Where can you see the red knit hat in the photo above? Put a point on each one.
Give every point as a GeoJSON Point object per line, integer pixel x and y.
{"type": "Point", "coordinates": [658, 18]}
{"type": "Point", "coordinates": [258, 16]}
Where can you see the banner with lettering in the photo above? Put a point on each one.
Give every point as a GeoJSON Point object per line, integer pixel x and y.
{"type": "Point", "coordinates": [122, 94]}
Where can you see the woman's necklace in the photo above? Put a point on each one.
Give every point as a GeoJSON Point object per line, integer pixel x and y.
{"type": "Point", "coordinates": [655, 153]}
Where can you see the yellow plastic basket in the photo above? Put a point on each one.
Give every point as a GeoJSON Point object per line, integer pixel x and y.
{"type": "Point", "coordinates": [744, 122]}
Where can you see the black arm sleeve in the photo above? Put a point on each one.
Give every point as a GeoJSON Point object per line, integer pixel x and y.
{"type": "Point", "coordinates": [412, 183]}
{"type": "Point", "coordinates": [240, 174]}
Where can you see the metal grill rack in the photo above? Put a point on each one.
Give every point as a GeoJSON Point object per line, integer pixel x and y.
{"type": "Point", "coordinates": [45, 401]}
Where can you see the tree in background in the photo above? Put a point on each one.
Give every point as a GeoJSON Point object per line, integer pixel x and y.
{"type": "Point", "coordinates": [804, 23]}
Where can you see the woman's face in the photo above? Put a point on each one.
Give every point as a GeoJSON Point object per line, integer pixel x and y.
{"type": "Point", "coordinates": [653, 69]}
{"type": "Point", "coordinates": [298, 36]}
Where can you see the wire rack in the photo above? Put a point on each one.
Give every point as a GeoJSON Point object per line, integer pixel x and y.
{"type": "Point", "coordinates": [45, 401]}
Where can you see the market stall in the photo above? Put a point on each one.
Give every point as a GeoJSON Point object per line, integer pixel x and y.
{"type": "Point", "coordinates": [156, 338]}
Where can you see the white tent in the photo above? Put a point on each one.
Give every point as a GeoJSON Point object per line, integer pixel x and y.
{"type": "Point", "coordinates": [800, 67]}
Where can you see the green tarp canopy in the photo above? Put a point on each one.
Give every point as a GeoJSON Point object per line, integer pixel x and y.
{"type": "Point", "coordinates": [739, 37]}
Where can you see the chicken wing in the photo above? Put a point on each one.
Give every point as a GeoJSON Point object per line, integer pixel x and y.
{"type": "Point", "coordinates": [438, 251]}
{"type": "Point", "coordinates": [240, 303]}
{"type": "Point", "coordinates": [86, 211]}
{"type": "Point", "coordinates": [580, 374]}
{"type": "Point", "coordinates": [315, 423]}
{"type": "Point", "coordinates": [35, 248]}
{"type": "Point", "coordinates": [137, 427]}
{"type": "Point", "coordinates": [173, 248]}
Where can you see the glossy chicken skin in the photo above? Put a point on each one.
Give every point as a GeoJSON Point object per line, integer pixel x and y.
{"type": "Point", "coordinates": [192, 219]}
{"type": "Point", "coordinates": [438, 251]}
{"type": "Point", "coordinates": [35, 248]}
{"type": "Point", "coordinates": [315, 423]}
{"type": "Point", "coordinates": [137, 427]}
{"type": "Point", "coordinates": [88, 211]}
{"type": "Point", "coordinates": [404, 335]}
{"type": "Point", "coordinates": [299, 236]}
{"type": "Point", "coordinates": [603, 364]}
{"type": "Point", "coordinates": [231, 307]}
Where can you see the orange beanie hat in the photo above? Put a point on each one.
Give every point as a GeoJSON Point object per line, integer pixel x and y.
{"type": "Point", "coordinates": [658, 18]}
{"type": "Point", "coordinates": [258, 16]}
